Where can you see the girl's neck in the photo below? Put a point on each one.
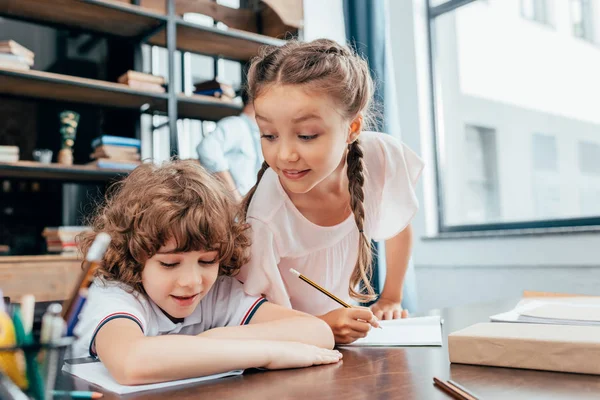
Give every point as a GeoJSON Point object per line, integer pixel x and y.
{"type": "Point", "coordinates": [328, 203]}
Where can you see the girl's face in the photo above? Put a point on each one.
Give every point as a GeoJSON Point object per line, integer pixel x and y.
{"type": "Point", "coordinates": [303, 136]}
{"type": "Point", "coordinates": [177, 282]}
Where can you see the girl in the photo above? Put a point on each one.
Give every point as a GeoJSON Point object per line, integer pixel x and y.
{"type": "Point", "coordinates": [326, 188]}
{"type": "Point", "coordinates": [164, 305]}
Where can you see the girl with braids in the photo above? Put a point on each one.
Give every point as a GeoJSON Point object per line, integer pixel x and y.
{"type": "Point", "coordinates": [327, 188]}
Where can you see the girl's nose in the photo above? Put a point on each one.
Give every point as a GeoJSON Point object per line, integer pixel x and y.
{"type": "Point", "coordinates": [287, 152]}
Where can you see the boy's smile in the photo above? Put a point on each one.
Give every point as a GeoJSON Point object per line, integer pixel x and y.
{"type": "Point", "coordinates": [177, 282]}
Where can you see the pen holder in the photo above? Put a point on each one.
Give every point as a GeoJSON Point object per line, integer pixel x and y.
{"type": "Point", "coordinates": [35, 368]}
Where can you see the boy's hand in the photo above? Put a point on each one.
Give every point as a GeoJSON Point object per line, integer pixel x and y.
{"type": "Point", "coordinates": [297, 355]}
{"type": "Point", "coordinates": [349, 324]}
{"type": "Point", "coordinates": [387, 309]}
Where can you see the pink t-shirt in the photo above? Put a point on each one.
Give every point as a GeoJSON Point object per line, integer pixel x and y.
{"type": "Point", "coordinates": [282, 238]}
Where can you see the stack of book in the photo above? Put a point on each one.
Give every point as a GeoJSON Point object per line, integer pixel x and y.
{"type": "Point", "coordinates": [215, 88]}
{"type": "Point", "coordinates": [9, 154]}
{"type": "Point", "coordinates": [116, 152]}
{"type": "Point", "coordinates": [62, 239]}
{"type": "Point", "coordinates": [15, 56]}
{"type": "Point", "coordinates": [142, 81]}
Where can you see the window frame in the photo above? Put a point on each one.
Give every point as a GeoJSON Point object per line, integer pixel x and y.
{"type": "Point", "coordinates": [542, 226]}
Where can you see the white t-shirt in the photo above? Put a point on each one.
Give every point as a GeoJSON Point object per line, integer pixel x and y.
{"type": "Point", "coordinates": [225, 304]}
{"type": "Point", "coordinates": [282, 238]}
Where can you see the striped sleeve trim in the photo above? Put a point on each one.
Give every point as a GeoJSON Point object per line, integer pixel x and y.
{"type": "Point", "coordinates": [250, 313]}
{"type": "Point", "coordinates": [110, 317]}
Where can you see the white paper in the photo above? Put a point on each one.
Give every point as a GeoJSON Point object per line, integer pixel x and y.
{"type": "Point", "coordinates": [96, 373]}
{"type": "Point", "coordinates": [567, 311]}
{"type": "Point", "coordinates": [418, 331]}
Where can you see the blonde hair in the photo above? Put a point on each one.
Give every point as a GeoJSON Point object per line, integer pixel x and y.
{"type": "Point", "coordinates": [324, 65]}
{"type": "Point", "coordinates": [177, 200]}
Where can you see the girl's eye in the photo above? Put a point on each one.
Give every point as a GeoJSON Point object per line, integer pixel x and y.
{"type": "Point", "coordinates": [268, 136]}
{"type": "Point", "coordinates": [307, 137]}
{"type": "Point", "coordinates": [209, 262]}
{"type": "Point", "coordinates": [168, 265]}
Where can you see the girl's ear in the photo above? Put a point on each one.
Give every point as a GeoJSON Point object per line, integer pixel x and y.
{"type": "Point", "coordinates": [355, 128]}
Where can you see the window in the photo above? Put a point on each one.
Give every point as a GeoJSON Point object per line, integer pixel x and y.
{"type": "Point", "coordinates": [536, 10]}
{"type": "Point", "coordinates": [582, 16]}
{"type": "Point", "coordinates": [517, 128]}
{"type": "Point", "coordinates": [189, 69]}
{"type": "Point", "coordinates": [481, 177]}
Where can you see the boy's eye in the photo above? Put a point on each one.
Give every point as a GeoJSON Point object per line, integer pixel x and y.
{"type": "Point", "coordinates": [307, 137]}
{"type": "Point", "coordinates": [268, 136]}
{"type": "Point", "coordinates": [168, 265]}
{"type": "Point", "coordinates": [208, 262]}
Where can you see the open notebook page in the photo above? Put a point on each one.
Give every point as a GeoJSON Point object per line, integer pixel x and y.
{"type": "Point", "coordinates": [96, 373]}
{"type": "Point", "coordinates": [417, 331]}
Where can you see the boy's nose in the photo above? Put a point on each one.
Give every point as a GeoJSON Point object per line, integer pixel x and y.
{"type": "Point", "coordinates": [190, 277]}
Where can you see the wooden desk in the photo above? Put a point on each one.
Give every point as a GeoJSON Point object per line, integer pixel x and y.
{"type": "Point", "coordinates": [391, 373]}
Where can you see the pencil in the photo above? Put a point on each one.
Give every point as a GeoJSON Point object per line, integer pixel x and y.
{"type": "Point", "coordinates": [77, 394]}
{"type": "Point", "coordinates": [94, 256]}
{"type": "Point", "coordinates": [468, 394]}
{"type": "Point", "coordinates": [454, 390]}
{"type": "Point", "coordinates": [320, 289]}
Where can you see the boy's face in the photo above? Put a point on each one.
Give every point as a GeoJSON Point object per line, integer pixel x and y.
{"type": "Point", "coordinates": [303, 136]}
{"type": "Point", "coordinates": [177, 282]}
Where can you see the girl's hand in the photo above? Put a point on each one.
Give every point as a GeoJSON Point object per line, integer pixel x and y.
{"type": "Point", "coordinates": [297, 355]}
{"type": "Point", "coordinates": [388, 309]}
{"type": "Point", "coordinates": [349, 324]}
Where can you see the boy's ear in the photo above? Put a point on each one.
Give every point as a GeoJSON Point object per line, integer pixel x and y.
{"type": "Point", "coordinates": [355, 128]}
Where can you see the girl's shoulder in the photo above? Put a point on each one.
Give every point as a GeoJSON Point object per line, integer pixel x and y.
{"type": "Point", "coordinates": [269, 198]}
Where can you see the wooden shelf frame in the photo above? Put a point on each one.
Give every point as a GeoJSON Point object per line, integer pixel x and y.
{"type": "Point", "coordinates": [57, 87]}
{"type": "Point", "coordinates": [66, 173]}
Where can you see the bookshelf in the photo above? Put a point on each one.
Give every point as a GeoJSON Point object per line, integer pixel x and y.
{"type": "Point", "coordinates": [153, 22]}
{"type": "Point", "coordinates": [51, 86]}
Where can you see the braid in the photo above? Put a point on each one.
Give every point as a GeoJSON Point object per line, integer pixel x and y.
{"type": "Point", "coordinates": [250, 194]}
{"type": "Point", "coordinates": [363, 268]}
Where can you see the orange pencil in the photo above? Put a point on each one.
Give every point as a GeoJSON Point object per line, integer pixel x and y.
{"type": "Point", "coordinates": [94, 256]}
{"type": "Point", "coordinates": [325, 291]}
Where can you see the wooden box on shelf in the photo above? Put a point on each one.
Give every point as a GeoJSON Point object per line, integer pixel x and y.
{"type": "Point", "coordinates": [47, 277]}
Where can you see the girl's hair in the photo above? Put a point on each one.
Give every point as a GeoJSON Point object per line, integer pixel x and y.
{"type": "Point", "coordinates": [325, 66]}
{"type": "Point", "coordinates": [177, 200]}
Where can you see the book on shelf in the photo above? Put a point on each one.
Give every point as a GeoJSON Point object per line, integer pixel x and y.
{"type": "Point", "coordinates": [116, 141]}
{"type": "Point", "coordinates": [15, 58]}
{"type": "Point", "coordinates": [214, 88]}
{"type": "Point", "coordinates": [146, 86]}
{"type": "Point", "coordinates": [9, 150]}
{"type": "Point", "coordinates": [141, 77]}
{"type": "Point", "coordinates": [9, 158]}
{"type": "Point", "coordinates": [12, 47]}
{"type": "Point", "coordinates": [107, 163]}
{"type": "Point", "coordinates": [14, 65]}
{"type": "Point", "coordinates": [97, 155]}
{"type": "Point", "coordinates": [63, 239]}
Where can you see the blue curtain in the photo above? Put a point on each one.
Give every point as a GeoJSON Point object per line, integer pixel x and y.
{"type": "Point", "coordinates": [367, 30]}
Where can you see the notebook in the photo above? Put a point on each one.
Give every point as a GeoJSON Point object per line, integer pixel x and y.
{"type": "Point", "coordinates": [582, 311]}
{"type": "Point", "coordinates": [418, 331]}
{"type": "Point", "coordinates": [96, 373]}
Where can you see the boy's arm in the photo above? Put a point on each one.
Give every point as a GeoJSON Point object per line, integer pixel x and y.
{"type": "Point", "coordinates": [273, 322]}
{"type": "Point", "coordinates": [134, 359]}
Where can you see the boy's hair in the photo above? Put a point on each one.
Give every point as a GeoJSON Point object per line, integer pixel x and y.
{"type": "Point", "coordinates": [177, 200]}
{"type": "Point", "coordinates": [330, 68]}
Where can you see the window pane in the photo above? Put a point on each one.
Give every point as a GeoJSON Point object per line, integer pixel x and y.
{"type": "Point", "coordinates": [517, 116]}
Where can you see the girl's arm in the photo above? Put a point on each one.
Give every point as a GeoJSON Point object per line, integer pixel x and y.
{"type": "Point", "coordinates": [134, 359]}
{"type": "Point", "coordinates": [273, 322]}
{"type": "Point", "coordinates": [397, 250]}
